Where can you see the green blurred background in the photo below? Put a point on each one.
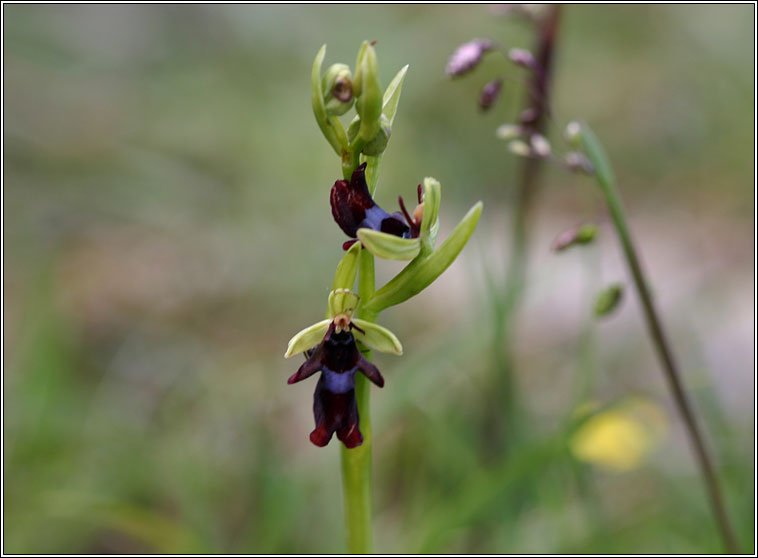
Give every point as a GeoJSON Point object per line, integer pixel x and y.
{"type": "Point", "coordinates": [167, 229]}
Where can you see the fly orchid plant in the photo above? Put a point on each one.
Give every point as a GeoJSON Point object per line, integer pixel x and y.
{"type": "Point", "coordinates": [341, 345]}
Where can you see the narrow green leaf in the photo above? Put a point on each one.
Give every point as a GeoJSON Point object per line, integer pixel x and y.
{"type": "Point", "coordinates": [307, 338]}
{"type": "Point", "coordinates": [392, 94]}
{"type": "Point", "coordinates": [344, 277]}
{"type": "Point", "coordinates": [377, 337]}
{"type": "Point", "coordinates": [596, 154]}
{"type": "Point", "coordinates": [389, 246]}
{"type": "Point", "coordinates": [422, 271]}
{"type": "Point", "coordinates": [342, 301]}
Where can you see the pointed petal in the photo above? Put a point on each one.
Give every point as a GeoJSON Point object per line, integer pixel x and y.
{"type": "Point", "coordinates": [370, 371]}
{"type": "Point", "coordinates": [308, 368]}
{"type": "Point", "coordinates": [389, 246]}
{"type": "Point", "coordinates": [377, 337]}
{"type": "Point", "coordinates": [307, 338]}
{"type": "Point", "coordinates": [342, 301]}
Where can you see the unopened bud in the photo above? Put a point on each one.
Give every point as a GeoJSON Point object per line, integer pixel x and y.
{"type": "Point", "coordinates": [379, 143]}
{"type": "Point", "coordinates": [608, 299]}
{"type": "Point", "coordinates": [540, 145]}
{"type": "Point", "coordinates": [528, 115]}
{"type": "Point", "coordinates": [583, 234]}
{"type": "Point", "coordinates": [366, 87]}
{"type": "Point", "coordinates": [522, 57]}
{"type": "Point", "coordinates": [520, 148]}
{"type": "Point", "coordinates": [577, 162]}
{"type": "Point", "coordinates": [467, 57]}
{"type": "Point", "coordinates": [508, 132]}
{"type": "Point", "coordinates": [490, 94]}
{"type": "Point", "coordinates": [338, 89]}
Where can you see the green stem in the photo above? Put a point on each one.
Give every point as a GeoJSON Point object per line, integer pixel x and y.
{"type": "Point", "coordinates": [607, 184]}
{"type": "Point", "coordinates": [356, 463]}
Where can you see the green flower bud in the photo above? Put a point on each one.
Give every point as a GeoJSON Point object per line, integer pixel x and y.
{"type": "Point", "coordinates": [352, 128]}
{"type": "Point", "coordinates": [337, 85]}
{"type": "Point", "coordinates": [366, 87]}
{"type": "Point", "coordinates": [608, 300]}
{"type": "Point", "coordinates": [379, 143]}
{"type": "Point", "coordinates": [584, 234]}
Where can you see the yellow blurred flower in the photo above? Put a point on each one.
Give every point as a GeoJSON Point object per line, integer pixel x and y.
{"type": "Point", "coordinates": [621, 438]}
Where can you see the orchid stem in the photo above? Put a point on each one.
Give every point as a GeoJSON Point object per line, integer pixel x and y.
{"type": "Point", "coordinates": [356, 462]}
{"type": "Point", "coordinates": [607, 184]}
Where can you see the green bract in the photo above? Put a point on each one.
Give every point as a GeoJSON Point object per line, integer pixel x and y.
{"type": "Point", "coordinates": [424, 269]}
{"type": "Point", "coordinates": [330, 126]}
{"type": "Point", "coordinates": [347, 269]}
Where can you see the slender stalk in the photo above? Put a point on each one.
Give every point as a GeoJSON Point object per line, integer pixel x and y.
{"type": "Point", "coordinates": [538, 88]}
{"type": "Point", "coordinates": [655, 328]}
{"type": "Point", "coordinates": [356, 463]}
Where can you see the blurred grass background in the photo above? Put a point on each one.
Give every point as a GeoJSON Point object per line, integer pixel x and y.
{"type": "Point", "coordinates": [167, 229]}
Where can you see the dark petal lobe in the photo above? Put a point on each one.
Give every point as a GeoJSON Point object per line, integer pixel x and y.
{"type": "Point", "coordinates": [335, 412]}
{"type": "Point", "coordinates": [370, 371]}
{"type": "Point", "coordinates": [310, 366]}
{"type": "Point", "coordinates": [350, 201]}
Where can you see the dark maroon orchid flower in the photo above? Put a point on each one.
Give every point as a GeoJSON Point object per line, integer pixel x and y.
{"type": "Point", "coordinates": [334, 406]}
{"type": "Point", "coordinates": [338, 358]}
{"type": "Point", "coordinates": [353, 208]}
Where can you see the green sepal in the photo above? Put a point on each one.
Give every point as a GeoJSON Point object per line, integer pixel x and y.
{"type": "Point", "coordinates": [341, 301]}
{"type": "Point", "coordinates": [344, 277]}
{"type": "Point", "coordinates": [307, 338]}
{"type": "Point", "coordinates": [377, 337]}
{"type": "Point", "coordinates": [388, 246]}
{"type": "Point", "coordinates": [330, 126]}
{"type": "Point", "coordinates": [432, 196]}
{"type": "Point", "coordinates": [423, 270]}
